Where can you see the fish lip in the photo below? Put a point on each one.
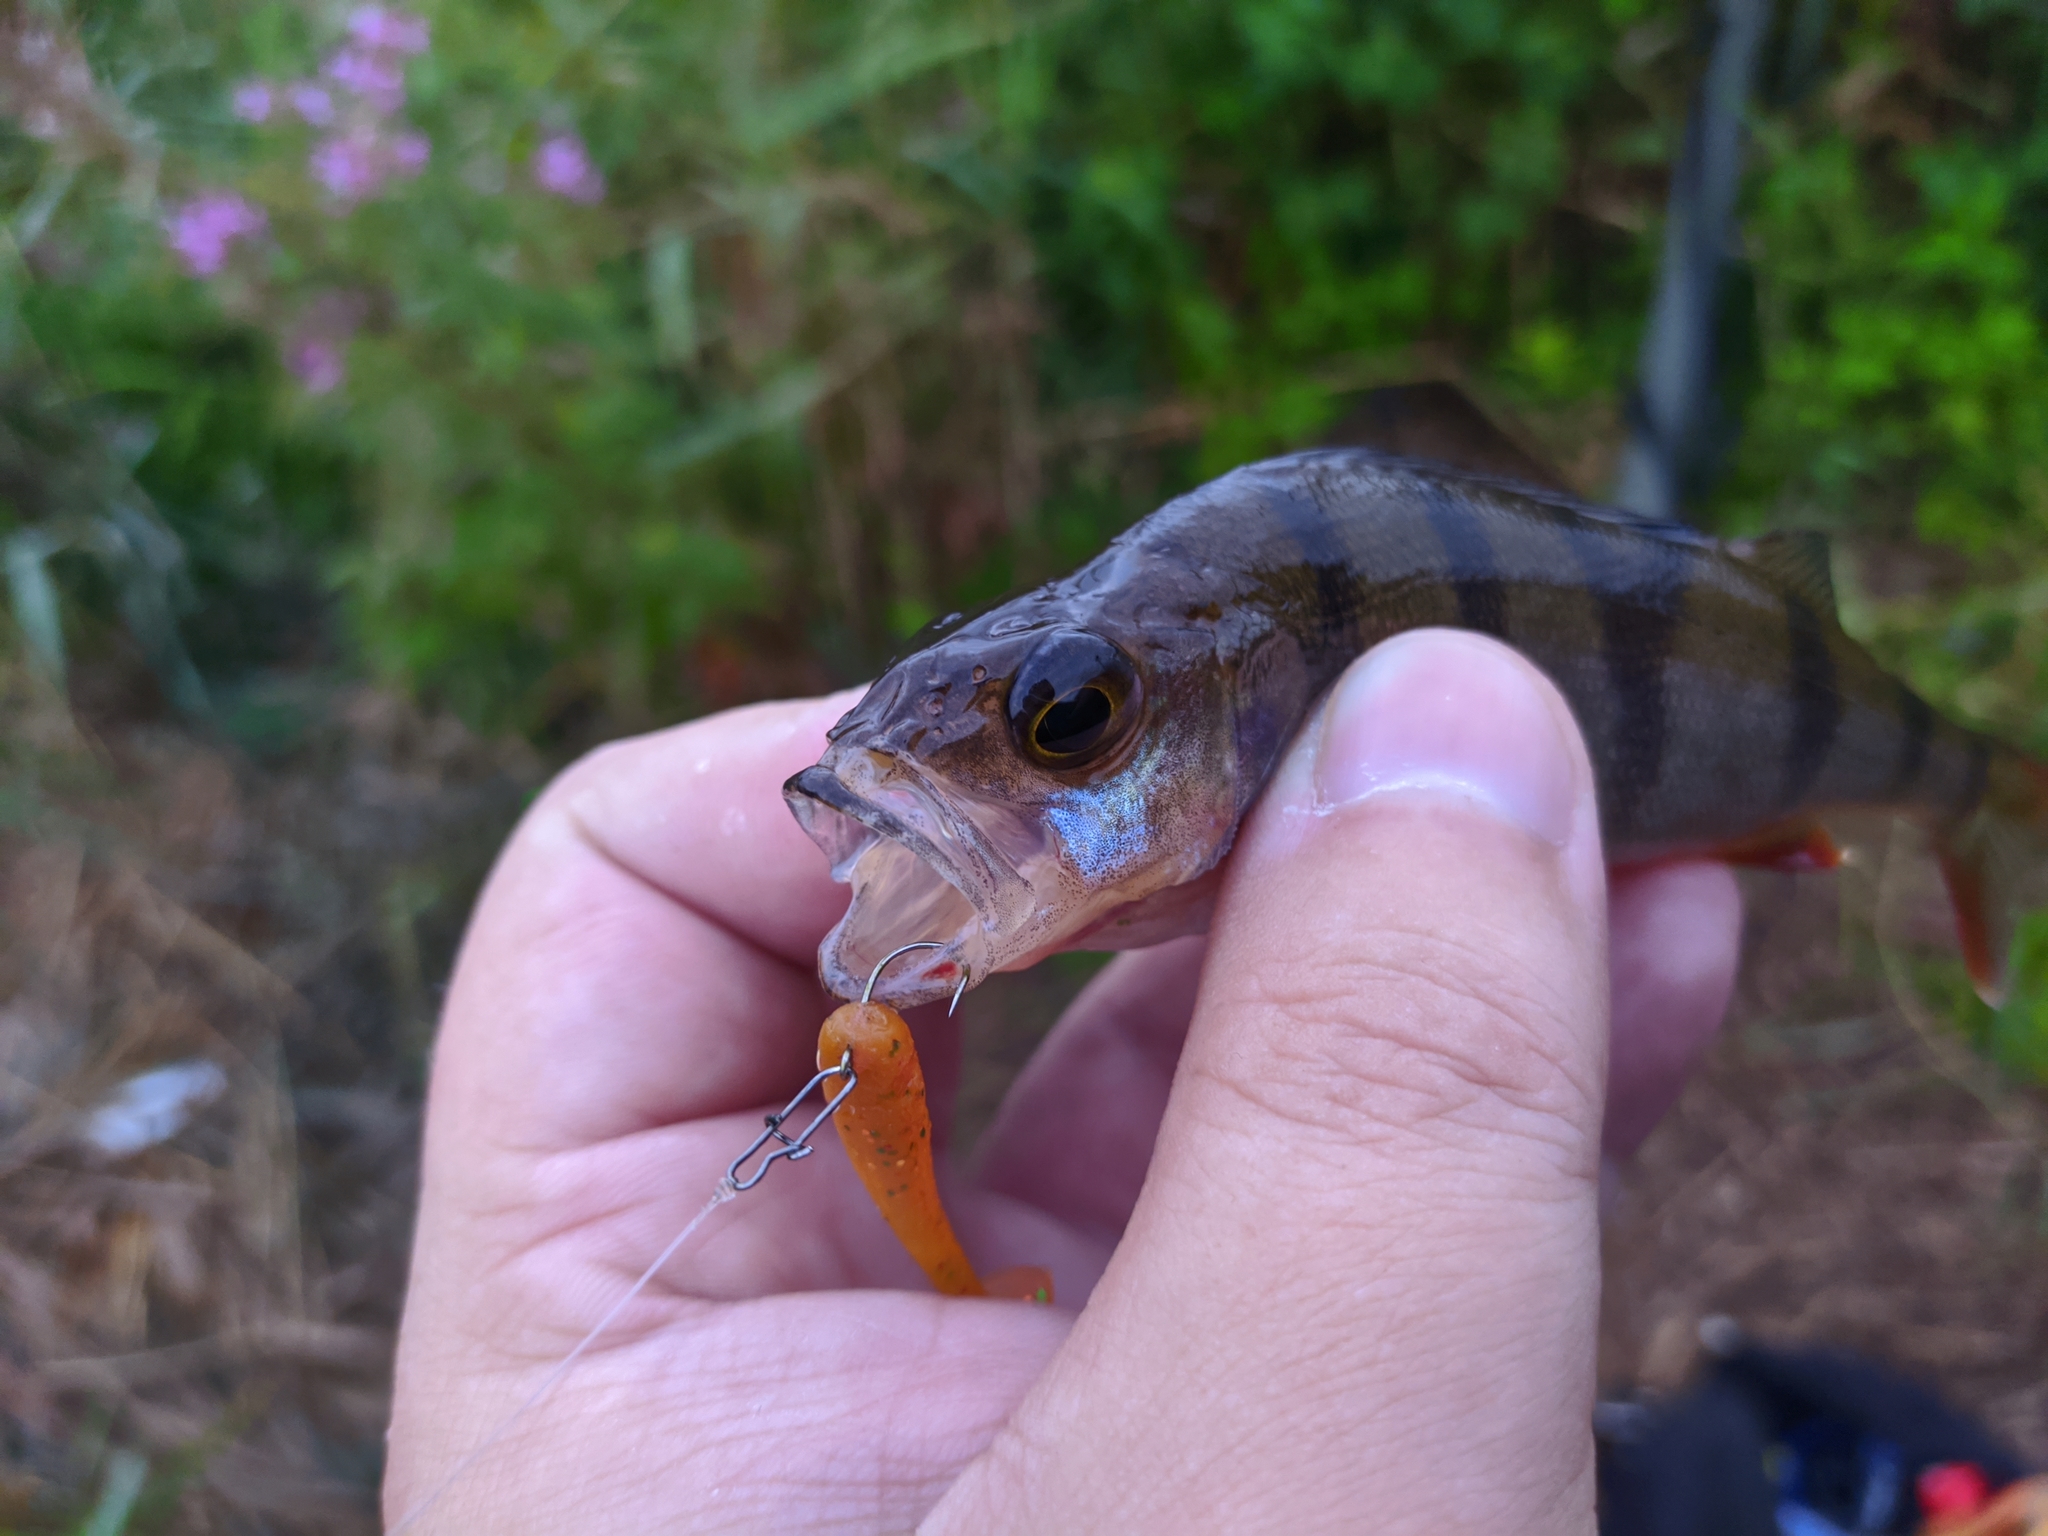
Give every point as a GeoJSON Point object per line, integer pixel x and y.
{"type": "Point", "coordinates": [821, 782]}
{"type": "Point", "coordinates": [998, 894]}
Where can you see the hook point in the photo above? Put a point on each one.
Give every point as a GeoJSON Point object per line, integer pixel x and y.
{"type": "Point", "coordinates": [868, 992]}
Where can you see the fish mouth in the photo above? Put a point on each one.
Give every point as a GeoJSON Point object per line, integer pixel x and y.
{"type": "Point", "coordinates": [922, 868]}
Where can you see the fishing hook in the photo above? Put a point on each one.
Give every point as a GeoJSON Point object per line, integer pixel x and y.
{"type": "Point", "coordinates": [868, 992]}
{"type": "Point", "coordinates": [797, 1148]}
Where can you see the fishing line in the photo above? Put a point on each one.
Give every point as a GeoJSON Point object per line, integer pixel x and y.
{"type": "Point", "coordinates": [1904, 850]}
{"type": "Point", "coordinates": [791, 1148]}
{"type": "Point", "coordinates": [724, 1192]}
{"type": "Point", "coordinates": [736, 1182]}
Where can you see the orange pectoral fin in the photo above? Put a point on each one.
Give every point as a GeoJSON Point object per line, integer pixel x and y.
{"type": "Point", "coordinates": [1793, 850]}
{"type": "Point", "coordinates": [1973, 926]}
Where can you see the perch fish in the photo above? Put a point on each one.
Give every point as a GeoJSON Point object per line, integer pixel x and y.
{"type": "Point", "coordinates": [1068, 768]}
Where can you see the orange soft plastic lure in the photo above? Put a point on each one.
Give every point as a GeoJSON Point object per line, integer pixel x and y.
{"type": "Point", "coordinates": [886, 1125]}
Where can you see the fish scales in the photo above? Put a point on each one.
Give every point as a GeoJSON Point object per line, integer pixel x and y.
{"type": "Point", "coordinates": [1703, 689]}
{"type": "Point", "coordinates": [1073, 763]}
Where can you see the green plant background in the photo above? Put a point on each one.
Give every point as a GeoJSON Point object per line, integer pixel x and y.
{"type": "Point", "coordinates": [887, 308]}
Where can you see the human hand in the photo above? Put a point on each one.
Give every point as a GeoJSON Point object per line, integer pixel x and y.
{"type": "Point", "coordinates": [1359, 1282]}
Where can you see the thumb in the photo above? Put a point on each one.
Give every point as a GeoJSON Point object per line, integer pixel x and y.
{"type": "Point", "coordinates": [1361, 1281]}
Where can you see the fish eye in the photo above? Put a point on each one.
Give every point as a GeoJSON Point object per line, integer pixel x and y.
{"type": "Point", "coordinates": [1073, 699]}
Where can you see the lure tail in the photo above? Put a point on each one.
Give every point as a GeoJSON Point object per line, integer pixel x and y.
{"type": "Point", "coordinates": [886, 1125]}
{"type": "Point", "coordinates": [1994, 861]}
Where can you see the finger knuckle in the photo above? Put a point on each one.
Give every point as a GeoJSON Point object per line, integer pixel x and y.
{"type": "Point", "coordinates": [1451, 1033]}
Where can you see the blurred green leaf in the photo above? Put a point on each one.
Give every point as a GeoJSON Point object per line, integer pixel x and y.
{"type": "Point", "coordinates": [126, 1474]}
{"type": "Point", "coordinates": [33, 597]}
{"type": "Point", "coordinates": [669, 260]}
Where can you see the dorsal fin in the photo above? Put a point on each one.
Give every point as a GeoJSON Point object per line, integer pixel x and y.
{"type": "Point", "coordinates": [1436, 421]}
{"type": "Point", "coordinates": [1799, 559]}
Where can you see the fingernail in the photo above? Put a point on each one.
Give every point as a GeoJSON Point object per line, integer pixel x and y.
{"type": "Point", "coordinates": [1441, 710]}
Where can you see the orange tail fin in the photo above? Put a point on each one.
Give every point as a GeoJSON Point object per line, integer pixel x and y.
{"type": "Point", "coordinates": [1995, 861]}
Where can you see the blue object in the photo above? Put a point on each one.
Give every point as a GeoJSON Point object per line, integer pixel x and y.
{"type": "Point", "coordinates": [1884, 1484]}
{"type": "Point", "coordinates": [1798, 1520]}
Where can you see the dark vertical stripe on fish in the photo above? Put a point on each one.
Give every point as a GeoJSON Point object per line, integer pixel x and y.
{"type": "Point", "coordinates": [1638, 586]}
{"type": "Point", "coordinates": [1329, 563]}
{"type": "Point", "coordinates": [1916, 722]}
{"type": "Point", "coordinates": [1474, 572]}
{"type": "Point", "coordinates": [1816, 705]}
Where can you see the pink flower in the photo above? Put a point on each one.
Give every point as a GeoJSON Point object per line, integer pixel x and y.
{"type": "Point", "coordinates": [354, 166]}
{"type": "Point", "coordinates": [204, 231]}
{"type": "Point", "coordinates": [388, 31]}
{"type": "Point", "coordinates": [351, 166]}
{"type": "Point", "coordinates": [562, 166]}
{"type": "Point", "coordinates": [409, 153]}
{"type": "Point", "coordinates": [254, 101]}
{"type": "Point", "coordinates": [316, 351]}
{"type": "Point", "coordinates": [316, 362]}
{"type": "Point", "coordinates": [312, 103]}
{"type": "Point", "coordinates": [371, 77]}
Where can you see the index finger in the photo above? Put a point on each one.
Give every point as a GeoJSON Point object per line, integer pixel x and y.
{"type": "Point", "coordinates": [642, 953]}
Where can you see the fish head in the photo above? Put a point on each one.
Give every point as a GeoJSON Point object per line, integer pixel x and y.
{"type": "Point", "coordinates": [1014, 786]}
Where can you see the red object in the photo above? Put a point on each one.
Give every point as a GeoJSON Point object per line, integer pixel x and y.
{"type": "Point", "coordinates": [1952, 1490]}
{"type": "Point", "coordinates": [1791, 850]}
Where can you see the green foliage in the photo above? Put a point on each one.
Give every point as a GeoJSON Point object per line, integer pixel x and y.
{"type": "Point", "coordinates": [542, 345]}
{"type": "Point", "coordinates": [773, 351]}
{"type": "Point", "coordinates": [1264, 203]}
{"type": "Point", "coordinates": [601, 360]}
{"type": "Point", "coordinates": [2016, 1036]}
{"type": "Point", "coordinates": [1898, 241]}
{"type": "Point", "coordinates": [1901, 262]}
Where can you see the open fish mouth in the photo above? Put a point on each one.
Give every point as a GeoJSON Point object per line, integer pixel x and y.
{"type": "Point", "coordinates": [921, 869]}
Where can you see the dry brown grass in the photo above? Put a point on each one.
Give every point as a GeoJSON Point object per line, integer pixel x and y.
{"type": "Point", "coordinates": [1834, 1175]}
{"type": "Point", "coordinates": [222, 1304]}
